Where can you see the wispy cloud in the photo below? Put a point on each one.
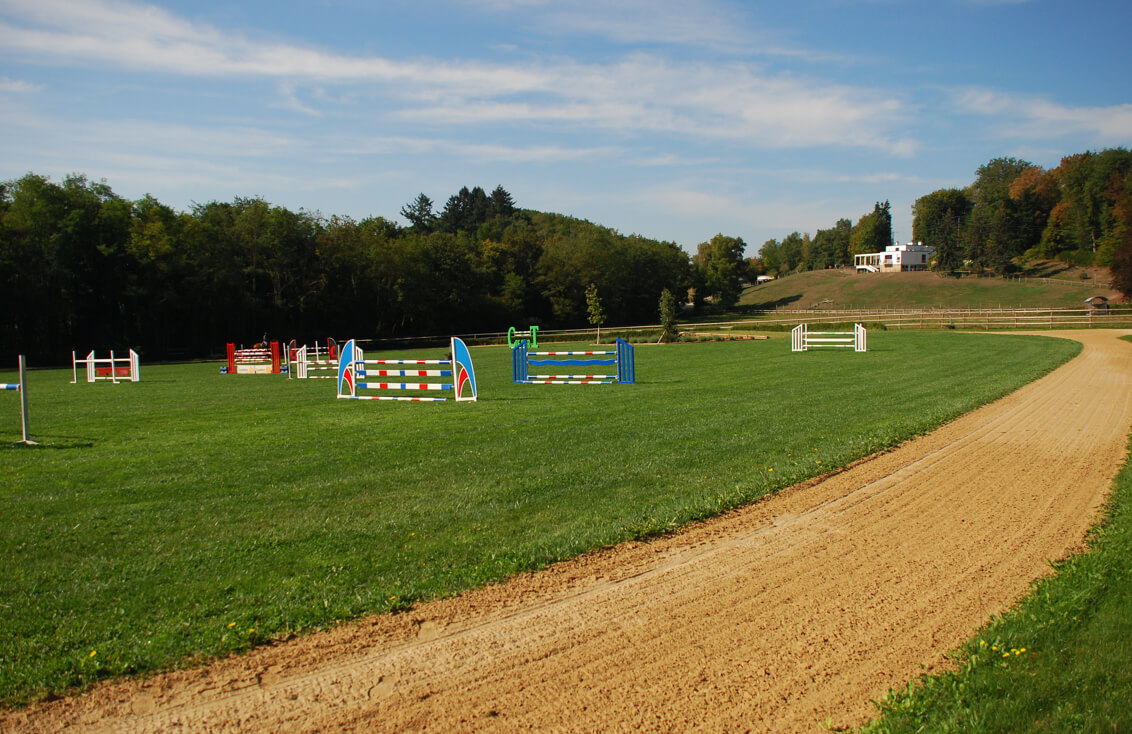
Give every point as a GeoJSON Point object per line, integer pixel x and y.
{"type": "Point", "coordinates": [16, 86]}
{"type": "Point", "coordinates": [1040, 119]}
{"type": "Point", "coordinates": [733, 101]}
{"type": "Point", "coordinates": [699, 23]}
{"type": "Point", "coordinates": [477, 151]}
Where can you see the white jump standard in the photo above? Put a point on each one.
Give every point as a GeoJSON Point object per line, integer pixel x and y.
{"type": "Point", "coordinates": [112, 368]}
{"type": "Point", "coordinates": [303, 364]}
{"type": "Point", "coordinates": [22, 389]}
{"type": "Point", "coordinates": [802, 339]}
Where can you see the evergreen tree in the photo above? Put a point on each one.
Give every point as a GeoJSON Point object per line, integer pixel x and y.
{"type": "Point", "coordinates": [667, 309]}
{"type": "Point", "coordinates": [420, 215]}
{"type": "Point", "coordinates": [882, 232]}
{"type": "Point", "coordinates": [501, 204]}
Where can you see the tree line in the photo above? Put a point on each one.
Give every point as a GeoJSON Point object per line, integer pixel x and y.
{"type": "Point", "coordinates": [1079, 212]}
{"type": "Point", "coordinates": [82, 268]}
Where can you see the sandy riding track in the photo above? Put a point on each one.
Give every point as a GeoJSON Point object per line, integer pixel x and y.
{"type": "Point", "coordinates": [788, 615]}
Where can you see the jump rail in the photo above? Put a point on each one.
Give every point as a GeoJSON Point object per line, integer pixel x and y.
{"type": "Point", "coordinates": [802, 339]}
{"type": "Point", "coordinates": [303, 363]}
{"type": "Point", "coordinates": [253, 361]}
{"type": "Point", "coordinates": [131, 369]}
{"type": "Point", "coordinates": [622, 358]}
{"type": "Point", "coordinates": [353, 371]}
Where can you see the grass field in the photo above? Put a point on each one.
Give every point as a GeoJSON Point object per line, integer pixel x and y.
{"type": "Point", "coordinates": [193, 514]}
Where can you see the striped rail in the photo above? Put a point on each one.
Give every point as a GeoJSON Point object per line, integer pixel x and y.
{"type": "Point", "coordinates": [253, 361]}
{"type": "Point", "coordinates": [522, 359]}
{"type": "Point", "coordinates": [313, 358]}
{"type": "Point", "coordinates": [354, 369]}
{"type": "Point", "coordinates": [304, 366]}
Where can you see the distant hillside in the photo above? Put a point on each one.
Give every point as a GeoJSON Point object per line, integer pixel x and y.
{"type": "Point", "coordinates": [1061, 287]}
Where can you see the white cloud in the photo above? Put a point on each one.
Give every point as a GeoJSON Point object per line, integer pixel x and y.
{"type": "Point", "coordinates": [1040, 119]}
{"type": "Point", "coordinates": [15, 86]}
{"type": "Point", "coordinates": [642, 92]}
{"type": "Point", "coordinates": [695, 23]}
{"type": "Point", "coordinates": [477, 151]}
{"type": "Point", "coordinates": [733, 102]}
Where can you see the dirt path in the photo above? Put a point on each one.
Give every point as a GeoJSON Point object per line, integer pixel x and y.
{"type": "Point", "coordinates": [788, 615]}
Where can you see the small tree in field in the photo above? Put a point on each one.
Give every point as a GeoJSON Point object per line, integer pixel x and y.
{"type": "Point", "coordinates": [667, 316]}
{"type": "Point", "coordinates": [594, 312]}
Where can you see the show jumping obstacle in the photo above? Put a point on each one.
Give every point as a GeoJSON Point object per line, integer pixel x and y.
{"type": "Point", "coordinates": [21, 388]}
{"type": "Point", "coordinates": [258, 360]}
{"type": "Point", "coordinates": [302, 363]}
{"type": "Point", "coordinates": [353, 371]}
{"type": "Point", "coordinates": [802, 339]}
{"type": "Point", "coordinates": [111, 369]}
{"type": "Point", "coordinates": [622, 357]}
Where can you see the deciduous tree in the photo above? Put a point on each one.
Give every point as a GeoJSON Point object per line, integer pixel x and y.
{"type": "Point", "coordinates": [722, 266]}
{"type": "Point", "coordinates": [595, 314]}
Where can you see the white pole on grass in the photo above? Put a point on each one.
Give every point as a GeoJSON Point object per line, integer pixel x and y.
{"type": "Point", "coordinates": [22, 388]}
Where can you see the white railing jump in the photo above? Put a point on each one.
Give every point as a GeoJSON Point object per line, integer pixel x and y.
{"type": "Point", "coordinates": [802, 339]}
{"type": "Point", "coordinates": [131, 369]}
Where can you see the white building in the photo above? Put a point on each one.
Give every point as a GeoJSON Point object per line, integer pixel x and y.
{"type": "Point", "coordinates": [895, 259]}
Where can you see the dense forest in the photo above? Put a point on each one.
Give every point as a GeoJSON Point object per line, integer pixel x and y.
{"type": "Point", "coordinates": [81, 268]}
{"type": "Point", "coordinates": [1079, 212]}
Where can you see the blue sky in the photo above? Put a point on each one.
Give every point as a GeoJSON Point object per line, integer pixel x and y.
{"type": "Point", "coordinates": [673, 119]}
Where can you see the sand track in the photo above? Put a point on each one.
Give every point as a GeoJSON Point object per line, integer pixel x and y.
{"type": "Point", "coordinates": [787, 615]}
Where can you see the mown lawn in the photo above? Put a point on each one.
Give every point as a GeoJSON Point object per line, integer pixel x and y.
{"type": "Point", "coordinates": [192, 513]}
